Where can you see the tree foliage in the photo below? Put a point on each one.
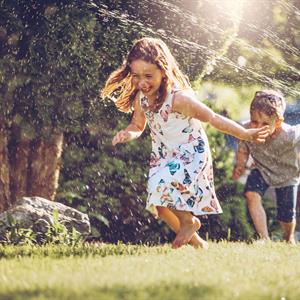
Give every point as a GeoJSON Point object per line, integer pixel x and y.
{"type": "Point", "coordinates": [49, 65]}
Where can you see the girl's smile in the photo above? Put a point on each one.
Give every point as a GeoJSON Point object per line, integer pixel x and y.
{"type": "Point", "coordinates": [147, 77]}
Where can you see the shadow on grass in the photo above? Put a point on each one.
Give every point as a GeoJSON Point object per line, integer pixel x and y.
{"type": "Point", "coordinates": [155, 292]}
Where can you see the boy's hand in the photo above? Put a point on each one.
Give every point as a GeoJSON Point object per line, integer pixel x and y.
{"type": "Point", "coordinates": [238, 172]}
{"type": "Point", "coordinates": [259, 135]}
{"type": "Point", "coordinates": [121, 137]}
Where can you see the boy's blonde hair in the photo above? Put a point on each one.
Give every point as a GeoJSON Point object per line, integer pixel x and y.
{"type": "Point", "coordinates": [153, 51]}
{"type": "Point", "coordinates": [269, 102]}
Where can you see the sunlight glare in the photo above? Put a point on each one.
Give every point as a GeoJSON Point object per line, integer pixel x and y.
{"type": "Point", "coordinates": [233, 7]}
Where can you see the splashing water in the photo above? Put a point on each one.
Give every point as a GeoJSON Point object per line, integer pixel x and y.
{"type": "Point", "coordinates": [218, 58]}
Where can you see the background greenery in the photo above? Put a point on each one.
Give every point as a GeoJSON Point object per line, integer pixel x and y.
{"type": "Point", "coordinates": [57, 54]}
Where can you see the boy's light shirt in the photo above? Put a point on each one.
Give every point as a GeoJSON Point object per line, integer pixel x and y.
{"type": "Point", "coordinates": [278, 158]}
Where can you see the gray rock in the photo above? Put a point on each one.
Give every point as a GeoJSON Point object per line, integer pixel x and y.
{"type": "Point", "coordinates": [37, 213]}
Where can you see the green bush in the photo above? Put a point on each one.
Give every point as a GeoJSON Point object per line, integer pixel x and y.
{"type": "Point", "coordinates": [109, 184]}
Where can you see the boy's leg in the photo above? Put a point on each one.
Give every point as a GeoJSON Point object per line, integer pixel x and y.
{"type": "Point", "coordinates": [258, 214]}
{"type": "Point", "coordinates": [255, 188]}
{"type": "Point", "coordinates": [289, 231]}
{"type": "Point", "coordinates": [286, 211]}
{"type": "Point", "coordinates": [172, 220]}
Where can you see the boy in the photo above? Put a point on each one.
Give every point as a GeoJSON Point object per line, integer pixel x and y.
{"type": "Point", "coordinates": [276, 164]}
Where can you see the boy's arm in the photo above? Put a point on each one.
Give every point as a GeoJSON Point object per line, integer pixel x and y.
{"type": "Point", "coordinates": [242, 155]}
{"type": "Point", "coordinates": [297, 140]}
{"type": "Point", "coordinates": [135, 128]}
{"type": "Point", "coordinates": [297, 135]}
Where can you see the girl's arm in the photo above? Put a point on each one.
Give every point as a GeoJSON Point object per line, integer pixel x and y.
{"type": "Point", "coordinates": [189, 106]}
{"type": "Point", "coordinates": [135, 128]}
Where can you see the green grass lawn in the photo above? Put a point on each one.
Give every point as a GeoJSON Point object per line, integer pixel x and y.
{"type": "Point", "coordinates": [225, 271]}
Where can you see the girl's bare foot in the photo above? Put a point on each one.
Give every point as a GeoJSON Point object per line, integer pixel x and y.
{"type": "Point", "coordinates": [262, 241]}
{"type": "Point", "coordinates": [197, 242]}
{"type": "Point", "coordinates": [186, 231]}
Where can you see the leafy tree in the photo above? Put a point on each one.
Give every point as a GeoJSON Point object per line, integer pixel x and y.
{"type": "Point", "coordinates": [48, 83]}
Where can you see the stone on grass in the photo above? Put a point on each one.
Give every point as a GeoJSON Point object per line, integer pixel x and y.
{"type": "Point", "coordinates": [37, 213]}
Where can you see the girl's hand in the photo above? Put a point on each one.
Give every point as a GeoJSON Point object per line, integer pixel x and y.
{"type": "Point", "coordinates": [258, 135]}
{"type": "Point", "coordinates": [121, 137]}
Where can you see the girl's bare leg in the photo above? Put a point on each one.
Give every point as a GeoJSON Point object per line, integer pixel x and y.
{"type": "Point", "coordinates": [172, 220]}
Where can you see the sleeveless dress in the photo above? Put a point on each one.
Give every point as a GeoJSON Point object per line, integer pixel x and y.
{"type": "Point", "coordinates": [181, 173]}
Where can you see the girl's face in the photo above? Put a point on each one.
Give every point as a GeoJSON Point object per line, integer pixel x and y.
{"type": "Point", "coordinates": [260, 119]}
{"type": "Point", "coordinates": [147, 77]}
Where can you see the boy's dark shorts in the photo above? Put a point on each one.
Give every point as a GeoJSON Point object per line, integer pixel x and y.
{"type": "Point", "coordinates": [286, 197]}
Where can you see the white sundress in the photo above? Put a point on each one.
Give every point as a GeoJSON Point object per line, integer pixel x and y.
{"type": "Point", "coordinates": [181, 173]}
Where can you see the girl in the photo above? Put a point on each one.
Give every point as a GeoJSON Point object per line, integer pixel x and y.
{"type": "Point", "coordinates": [180, 183]}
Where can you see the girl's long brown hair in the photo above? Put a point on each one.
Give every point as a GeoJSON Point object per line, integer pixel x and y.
{"type": "Point", "coordinates": [119, 84]}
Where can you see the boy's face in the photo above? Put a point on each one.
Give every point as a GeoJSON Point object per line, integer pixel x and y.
{"type": "Point", "coordinates": [260, 119]}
